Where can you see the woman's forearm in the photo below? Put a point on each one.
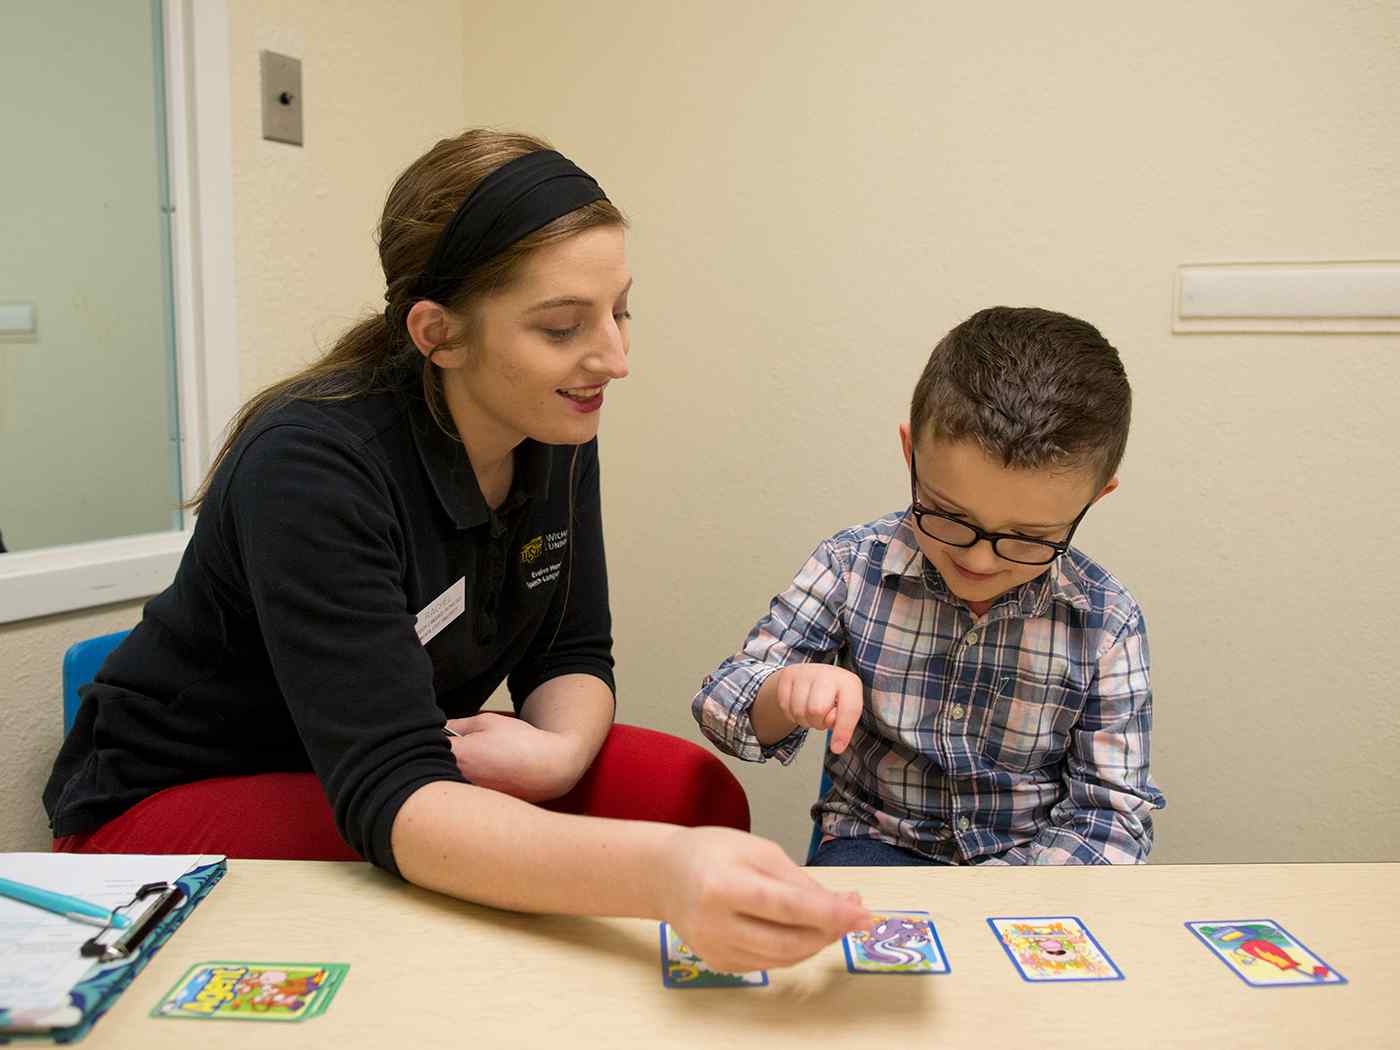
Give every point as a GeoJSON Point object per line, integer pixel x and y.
{"type": "Point", "coordinates": [737, 899]}
{"type": "Point", "coordinates": [578, 707]}
{"type": "Point", "coordinates": [484, 846]}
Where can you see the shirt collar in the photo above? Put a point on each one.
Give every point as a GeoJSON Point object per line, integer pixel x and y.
{"type": "Point", "coordinates": [447, 466]}
{"type": "Point", "coordinates": [902, 554]}
{"type": "Point", "coordinates": [1061, 582]}
{"type": "Point", "coordinates": [1065, 583]}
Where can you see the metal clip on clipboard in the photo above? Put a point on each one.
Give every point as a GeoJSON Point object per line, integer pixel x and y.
{"type": "Point", "coordinates": [167, 899]}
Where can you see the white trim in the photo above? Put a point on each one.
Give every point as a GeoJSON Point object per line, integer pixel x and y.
{"type": "Point", "coordinates": [201, 177]}
{"type": "Point", "coordinates": [1333, 295]}
{"type": "Point", "coordinates": [200, 141]}
{"type": "Point", "coordinates": [211, 221]}
{"type": "Point", "coordinates": [81, 575]}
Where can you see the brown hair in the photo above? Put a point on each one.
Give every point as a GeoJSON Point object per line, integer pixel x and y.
{"type": "Point", "coordinates": [1033, 388]}
{"type": "Point", "coordinates": [419, 205]}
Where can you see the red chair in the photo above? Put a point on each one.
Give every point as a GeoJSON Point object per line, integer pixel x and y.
{"type": "Point", "coordinates": [639, 774]}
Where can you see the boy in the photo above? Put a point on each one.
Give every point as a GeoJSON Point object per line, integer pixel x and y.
{"type": "Point", "coordinates": [986, 686]}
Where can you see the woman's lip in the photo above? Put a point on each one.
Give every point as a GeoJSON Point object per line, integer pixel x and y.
{"type": "Point", "coordinates": [591, 405]}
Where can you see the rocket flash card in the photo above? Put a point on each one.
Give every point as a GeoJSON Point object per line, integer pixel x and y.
{"type": "Point", "coordinates": [1263, 954]}
{"type": "Point", "coordinates": [1054, 948]}
{"type": "Point", "coordinates": [245, 991]}
{"type": "Point", "coordinates": [682, 968]}
{"type": "Point", "coordinates": [897, 942]}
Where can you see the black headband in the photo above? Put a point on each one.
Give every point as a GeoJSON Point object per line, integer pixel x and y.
{"type": "Point", "coordinates": [516, 199]}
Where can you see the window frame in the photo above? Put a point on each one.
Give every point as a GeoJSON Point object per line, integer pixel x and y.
{"type": "Point", "coordinates": [199, 138]}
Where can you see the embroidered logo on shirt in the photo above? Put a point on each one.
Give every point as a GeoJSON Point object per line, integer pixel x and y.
{"type": "Point", "coordinates": [551, 542]}
{"type": "Point", "coordinates": [544, 574]}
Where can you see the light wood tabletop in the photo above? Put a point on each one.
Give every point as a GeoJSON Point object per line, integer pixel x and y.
{"type": "Point", "coordinates": [428, 971]}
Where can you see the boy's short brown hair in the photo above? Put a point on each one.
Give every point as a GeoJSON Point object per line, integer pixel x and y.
{"type": "Point", "coordinates": [1033, 388]}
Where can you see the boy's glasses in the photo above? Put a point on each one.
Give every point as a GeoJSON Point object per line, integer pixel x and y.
{"type": "Point", "coordinates": [956, 532]}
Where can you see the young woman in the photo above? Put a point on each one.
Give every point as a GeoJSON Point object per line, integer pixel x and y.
{"type": "Point", "coordinates": [383, 539]}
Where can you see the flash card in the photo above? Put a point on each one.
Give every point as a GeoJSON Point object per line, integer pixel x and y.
{"type": "Point", "coordinates": [1054, 948]}
{"type": "Point", "coordinates": [682, 968]}
{"type": "Point", "coordinates": [1263, 954]}
{"type": "Point", "coordinates": [245, 991]}
{"type": "Point", "coordinates": [896, 942]}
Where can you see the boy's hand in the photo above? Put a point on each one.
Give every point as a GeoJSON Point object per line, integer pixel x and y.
{"type": "Point", "coordinates": [743, 905]}
{"type": "Point", "coordinates": [820, 696]}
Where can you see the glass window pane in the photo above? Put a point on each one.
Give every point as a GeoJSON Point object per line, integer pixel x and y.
{"type": "Point", "coordinates": [88, 425]}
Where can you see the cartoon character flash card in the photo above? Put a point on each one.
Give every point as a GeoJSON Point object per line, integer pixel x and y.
{"type": "Point", "coordinates": [247, 991]}
{"type": "Point", "coordinates": [682, 968]}
{"type": "Point", "coordinates": [1263, 954]}
{"type": "Point", "coordinates": [897, 942]}
{"type": "Point", "coordinates": [1054, 948]}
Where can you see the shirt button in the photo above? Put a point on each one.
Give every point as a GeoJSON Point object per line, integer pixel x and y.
{"type": "Point", "coordinates": [958, 711]}
{"type": "Point", "coordinates": [972, 637]}
{"type": "Point", "coordinates": [964, 823]}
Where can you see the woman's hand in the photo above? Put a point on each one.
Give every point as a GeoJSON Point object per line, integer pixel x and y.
{"type": "Point", "coordinates": [742, 904]}
{"type": "Point", "coordinates": [510, 755]}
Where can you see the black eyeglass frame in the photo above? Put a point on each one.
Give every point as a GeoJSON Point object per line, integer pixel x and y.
{"type": "Point", "coordinates": [1057, 547]}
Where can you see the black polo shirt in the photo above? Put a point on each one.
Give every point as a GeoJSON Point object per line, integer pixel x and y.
{"type": "Point", "coordinates": [290, 637]}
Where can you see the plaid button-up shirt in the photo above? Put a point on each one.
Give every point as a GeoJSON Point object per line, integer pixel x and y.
{"type": "Point", "coordinates": [1020, 737]}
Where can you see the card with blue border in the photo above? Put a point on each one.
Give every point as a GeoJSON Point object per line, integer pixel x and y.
{"type": "Point", "coordinates": [1262, 954]}
{"type": "Point", "coordinates": [1053, 949]}
{"type": "Point", "coordinates": [682, 968]}
{"type": "Point", "coordinates": [896, 942]}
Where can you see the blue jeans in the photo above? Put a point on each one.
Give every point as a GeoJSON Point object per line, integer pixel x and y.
{"type": "Point", "coordinates": [866, 853]}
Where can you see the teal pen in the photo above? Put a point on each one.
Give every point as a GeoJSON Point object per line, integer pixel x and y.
{"type": "Point", "coordinates": [62, 904]}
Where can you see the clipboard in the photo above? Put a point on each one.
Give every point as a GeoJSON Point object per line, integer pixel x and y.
{"type": "Point", "coordinates": [117, 957]}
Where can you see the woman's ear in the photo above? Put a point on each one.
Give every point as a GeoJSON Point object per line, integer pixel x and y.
{"type": "Point", "coordinates": [429, 326]}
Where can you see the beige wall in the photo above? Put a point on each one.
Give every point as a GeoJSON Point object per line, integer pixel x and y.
{"type": "Point", "coordinates": [819, 190]}
{"type": "Point", "coordinates": [31, 712]}
{"type": "Point", "coordinates": [382, 82]}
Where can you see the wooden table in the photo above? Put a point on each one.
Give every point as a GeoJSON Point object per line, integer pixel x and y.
{"type": "Point", "coordinates": [428, 971]}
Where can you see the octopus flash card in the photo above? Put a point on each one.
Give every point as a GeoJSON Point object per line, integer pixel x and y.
{"type": "Point", "coordinates": [896, 942]}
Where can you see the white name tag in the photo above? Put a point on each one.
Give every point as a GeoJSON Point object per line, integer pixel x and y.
{"type": "Point", "coordinates": [441, 611]}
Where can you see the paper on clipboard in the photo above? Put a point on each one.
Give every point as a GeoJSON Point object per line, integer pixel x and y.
{"type": "Point", "coordinates": [42, 960]}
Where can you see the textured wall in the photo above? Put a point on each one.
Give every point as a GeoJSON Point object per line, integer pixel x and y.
{"type": "Point", "coordinates": [377, 94]}
{"type": "Point", "coordinates": [382, 82]}
{"type": "Point", "coordinates": [31, 712]}
{"type": "Point", "coordinates": [819, 190]}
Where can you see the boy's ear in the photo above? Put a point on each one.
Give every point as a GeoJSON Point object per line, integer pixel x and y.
{"type": "Point", "coordinates": [1109, 487]}
{"type": "Point", "coordinates": [429, 326]}
{"type": "Point", "coordinates": [907, 442]}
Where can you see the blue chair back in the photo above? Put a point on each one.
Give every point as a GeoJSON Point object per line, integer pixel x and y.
{"type": "Point", "coordinates": [822, 789]}
{"type": "Point", "coordinates": [81, 663]}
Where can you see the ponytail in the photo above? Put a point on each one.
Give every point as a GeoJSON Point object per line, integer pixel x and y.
{"type": "Point", "coordinates": [363, 360]}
